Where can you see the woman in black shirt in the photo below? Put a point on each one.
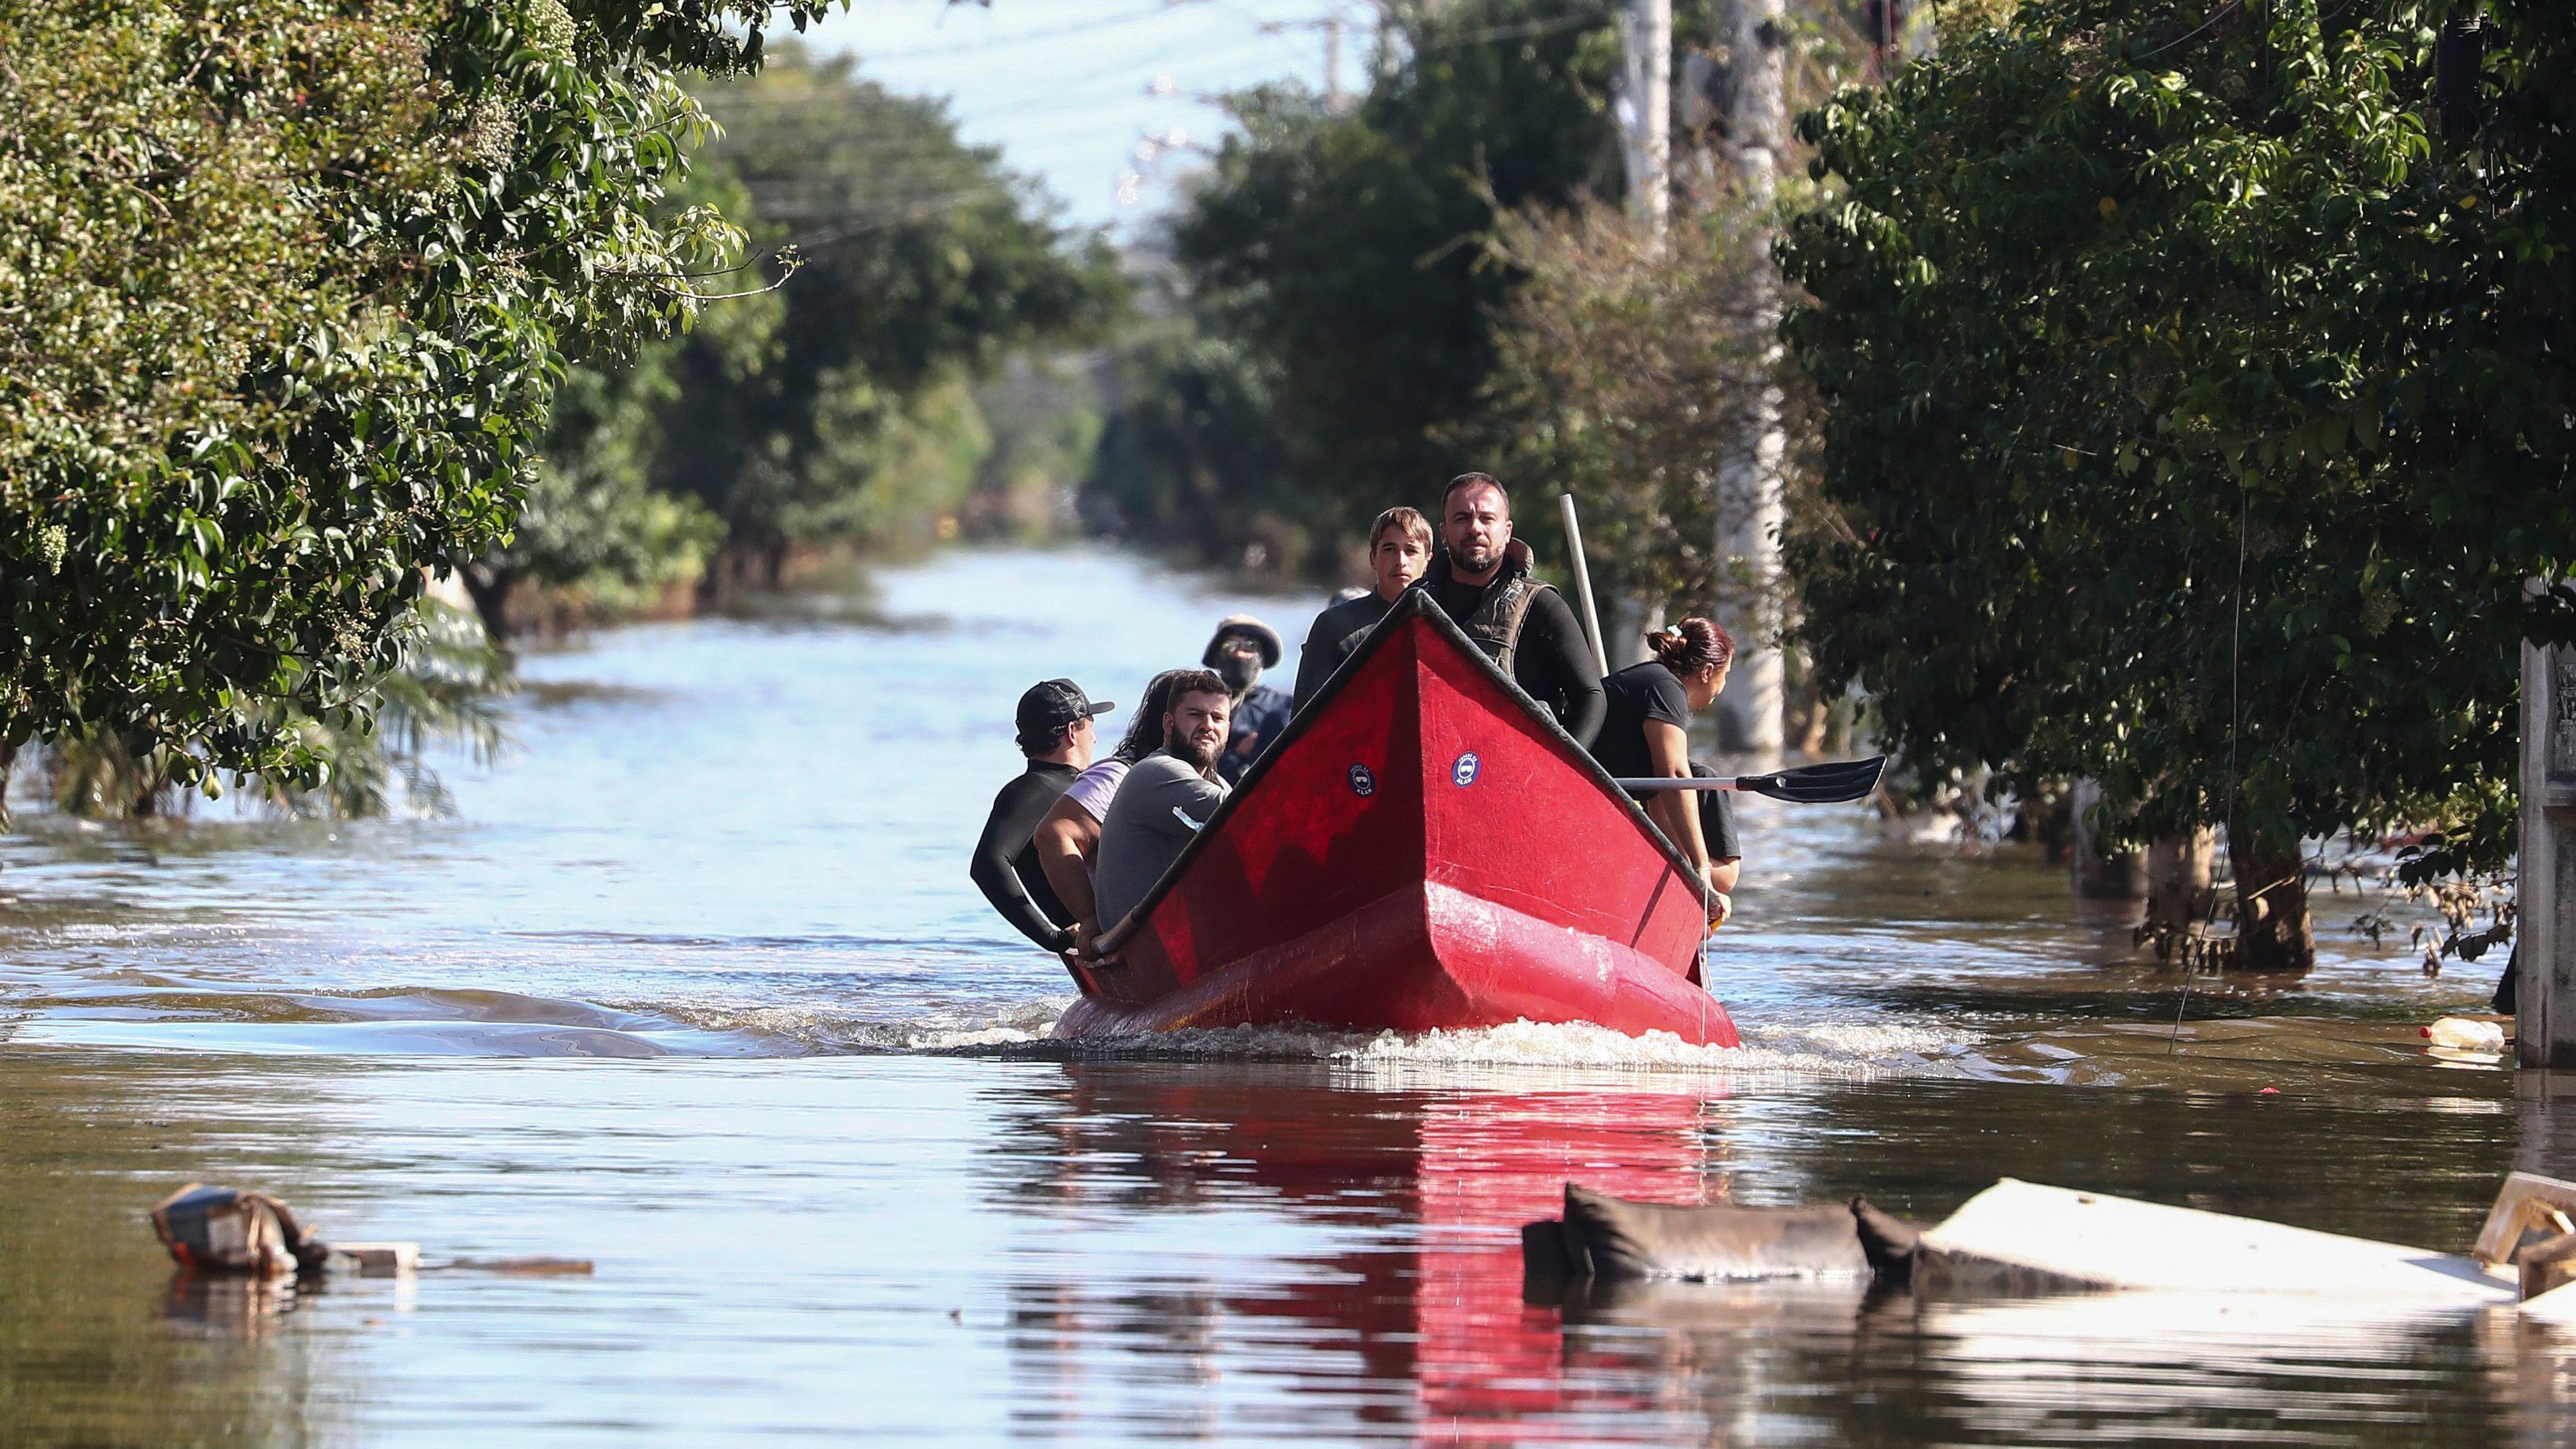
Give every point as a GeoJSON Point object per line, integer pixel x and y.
{"type": "Point", "coordinates": [1645, 734]}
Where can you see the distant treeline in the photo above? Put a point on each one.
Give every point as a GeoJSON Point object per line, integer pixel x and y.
{"type": "Point", "coordinates": [1348, 318]}
{"type": "Point", "coordinates": [1327, 323]}
{"type": "Point", "coordinates": [884, 383]}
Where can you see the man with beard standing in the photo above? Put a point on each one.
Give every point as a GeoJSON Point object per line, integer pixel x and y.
{"type": "Point", "coordinates": [1242, 648]}
{"type": "Point", "coordinates": [1166, 797]}
{"type": "Point", "coordinates": [1482, 580]}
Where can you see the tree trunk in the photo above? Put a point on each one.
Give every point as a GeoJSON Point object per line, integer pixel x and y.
{"type": "Point", "coordinates": [1750, 507]}
{"type": "Point", "coordinates": [1646, 104]}
{"type": "Point", "coordinates": [2097, 876]}
{"type": "Point", "coordinates": [2178, 880]}
{"type": "Point", "coordinates": [2274, 932]}
{"type": "Point", "coordinates": [490, 591]}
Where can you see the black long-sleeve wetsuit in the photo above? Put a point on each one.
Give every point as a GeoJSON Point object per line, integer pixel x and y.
{"type": "Point", "coordinates": [1336, 633]}
{"type": "Point", "coordinates": [1005, 867]}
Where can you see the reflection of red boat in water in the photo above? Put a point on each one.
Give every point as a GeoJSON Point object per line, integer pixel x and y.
{"type": "Point", "coordinates": [1413, 1306]}
{"type": "Point", "coordinates": [1424, 848]}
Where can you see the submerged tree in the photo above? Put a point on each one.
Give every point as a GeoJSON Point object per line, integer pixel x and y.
{"type": "Point", "coordinates": [2196, 413]}
{"type": "Point", "coordinates": [289, 285]}
{"type": "Point", "coordinates": [442, 692]}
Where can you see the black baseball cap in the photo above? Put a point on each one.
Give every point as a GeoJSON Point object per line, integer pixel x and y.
{"type": "Point", "coordinates": [1051, 704]}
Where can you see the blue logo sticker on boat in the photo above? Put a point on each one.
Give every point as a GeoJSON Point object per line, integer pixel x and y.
{"type": "Point", "coordinates": [1463, 773]}
{"type": "Point", "coordinates": [1363, 784]}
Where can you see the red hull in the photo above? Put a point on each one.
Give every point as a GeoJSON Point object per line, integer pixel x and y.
{"type": "Point", "coordinates": [1425, 849]}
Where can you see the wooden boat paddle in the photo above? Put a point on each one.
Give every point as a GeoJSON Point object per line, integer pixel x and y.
{"type": "Point", "coordinates": [1827, 784]}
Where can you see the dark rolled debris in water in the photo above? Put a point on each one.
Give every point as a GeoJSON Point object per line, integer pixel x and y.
{"type": "Point", "coordinates": [1610, 1239]}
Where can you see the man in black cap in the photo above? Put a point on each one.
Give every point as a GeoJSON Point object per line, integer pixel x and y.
{"type": "Point", "coordinates": [1242, 648]}
{"type": "Point", "coordinates": [1057, 735]}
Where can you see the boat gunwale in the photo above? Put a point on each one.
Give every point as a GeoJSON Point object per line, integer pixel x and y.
{"type": "Point", "coordinates": [1416, 603]}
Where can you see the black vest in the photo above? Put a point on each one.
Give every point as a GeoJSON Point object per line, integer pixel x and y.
{"type": "Point", "coordinates": [1495, 622]}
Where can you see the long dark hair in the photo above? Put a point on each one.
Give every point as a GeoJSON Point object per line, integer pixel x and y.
{"type": "Point", "coordinates": [1691, 646]}
{"type": "Point", "coordinates": [1145, 731]}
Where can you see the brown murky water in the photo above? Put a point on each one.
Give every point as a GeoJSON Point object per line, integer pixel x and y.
{"type": "Point", "coordinates": [695, 988]}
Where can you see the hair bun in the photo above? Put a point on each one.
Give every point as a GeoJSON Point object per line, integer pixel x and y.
{"type": "Point", "coordinates": [1690, 645]}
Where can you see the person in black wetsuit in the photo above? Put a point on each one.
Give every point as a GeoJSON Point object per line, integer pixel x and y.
{"type": "Point", "coordinates": [1056, 733]}
{"type": "Point", "coordinates": [1399, 549]}
{"type": "Point", "coordinates": [1482, 580]}
{"type": "Point", "coordinates": [1645, 734]}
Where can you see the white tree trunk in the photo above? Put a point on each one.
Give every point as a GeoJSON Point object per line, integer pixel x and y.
{"type": "Point", "coordinates": [1645, 107]}
{"type": "Point", "coordinates": [1750, 510]}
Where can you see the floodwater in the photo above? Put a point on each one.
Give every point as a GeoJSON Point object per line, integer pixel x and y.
{"type": "Point", "coordinates": [694, 987]}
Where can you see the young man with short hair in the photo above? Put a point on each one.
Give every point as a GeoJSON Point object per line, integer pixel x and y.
{"type": "Point", "coordinates": [1056, 734]}
{"type": "Point", "coordinates": [1481, 578]}
{"type": "Point", "coordinates": [1166, 798]}
{"type": "Point", "coordinates": [1399, 549]}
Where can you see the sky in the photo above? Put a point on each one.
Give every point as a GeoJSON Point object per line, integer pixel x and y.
{"type": "Point", "coordinates": [1106, 101]}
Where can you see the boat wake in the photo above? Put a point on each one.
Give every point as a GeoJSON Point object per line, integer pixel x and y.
{"type": "Point", "coordinates": [151, 1011]}
{"type": "Point", "coordinates": [1851, 1050]}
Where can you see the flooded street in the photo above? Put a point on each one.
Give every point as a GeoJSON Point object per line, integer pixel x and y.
{"type": "Point", "coordinates": [695, 986]}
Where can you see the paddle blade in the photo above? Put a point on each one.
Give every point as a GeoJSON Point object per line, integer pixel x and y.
{"type": "Point", "coordinates": [1818, 784]}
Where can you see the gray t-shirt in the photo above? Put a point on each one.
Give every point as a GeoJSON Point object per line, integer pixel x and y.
{"type": "Point", "coordinates": [1159, 807]}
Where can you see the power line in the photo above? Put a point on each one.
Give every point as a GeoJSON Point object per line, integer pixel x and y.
{"type": "Point", "coordinates": [1006, 42]}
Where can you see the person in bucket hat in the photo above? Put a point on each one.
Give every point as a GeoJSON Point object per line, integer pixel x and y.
{"type": "Point", "coordinates": [1242, 647]}
{"type": "Point", "coordinates": [1056, 733]}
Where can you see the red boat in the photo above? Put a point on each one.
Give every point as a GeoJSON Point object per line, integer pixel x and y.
{"type": "Point", "coordinates": [1423, 848]}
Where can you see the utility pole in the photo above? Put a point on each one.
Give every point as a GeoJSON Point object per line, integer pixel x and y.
{"type": "Point", "coordinates": [2545, 917]}
{"type": "Point", "coordinates": [1646, 111]}
{"type": "Point", "coordinates": [1333, 61]}
{"type": "Point", "coordinates": [1332, 26]}
{"type": "Point", "coordinates": [1750, 499]}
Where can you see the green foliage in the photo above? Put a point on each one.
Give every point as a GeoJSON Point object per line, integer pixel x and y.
{"type": "Point", "coordinates": [2196, 412]}
{"type": "Point", "coordinates": [1625, 371]}
{"type": "Point", "coordinates": [591, 526]}
{"type": "Point", "coordinates": [1190, 454]}
{"type": "Point", "coordinates": [443, 691]}
{"type": "Point", "coordinates": [1338, 331]}
{"type": "Point", "coordinates": [1044, 415]}
{"type": "Point", "coordinates": [593, 532]}
{"type": "Point", "coordinates": [290, 284]}
{"type": "Point", "coordinates": [925, 265]}
{"type": "Point", "coordinates": [1343, 251]}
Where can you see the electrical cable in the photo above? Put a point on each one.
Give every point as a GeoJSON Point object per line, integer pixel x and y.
{"type": "Point", "coordinates": [1005, 42]}
{"type": "Point", "coordinates": [2235, 727]}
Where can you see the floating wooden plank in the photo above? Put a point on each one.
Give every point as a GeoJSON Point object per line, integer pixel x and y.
{"type": "Point", "coordinates": [2023, 1237]}
{"type": "Point", "coordinates": [377, 1260]}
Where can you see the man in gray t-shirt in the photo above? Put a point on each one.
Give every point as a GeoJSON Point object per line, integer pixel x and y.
{"type": "Point", "coordinates": [1165, 798]}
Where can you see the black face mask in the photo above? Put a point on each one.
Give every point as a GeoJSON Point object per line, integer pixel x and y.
{"type": "Point", "coordinates": [1238, 671]}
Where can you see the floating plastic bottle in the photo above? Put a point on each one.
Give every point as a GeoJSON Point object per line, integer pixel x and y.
{"type": "Point", "coordinates": [2461, 1034]}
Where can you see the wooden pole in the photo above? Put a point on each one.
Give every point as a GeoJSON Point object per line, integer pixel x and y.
{"type": "Point", "coordinates": [2545, 988]}
{"type": "Point", "coordinates": [1583, 584]}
